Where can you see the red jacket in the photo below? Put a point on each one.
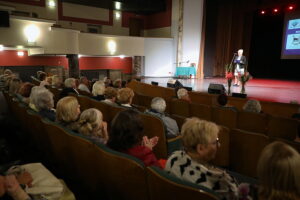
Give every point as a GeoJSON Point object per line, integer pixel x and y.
{"type": "Point", "coordinates": [145, 154]}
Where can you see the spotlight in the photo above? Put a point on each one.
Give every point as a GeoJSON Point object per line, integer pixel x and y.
{"type": "Point", "coordinates": [1, 47]}
{"type": "Point", "coordinates": [291, 8]}
{"type": "Point", "coordinates": [262, 12]}
{"type": "Point", "coordinates": [275, 10]}
{"type": "Point", "coordinates": [20, 53]}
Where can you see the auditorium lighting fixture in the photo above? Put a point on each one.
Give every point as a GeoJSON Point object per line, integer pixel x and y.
{"type": "Point", "coordinates": [291, 8]}
{"type": "Point", "coordinates": [20, 53]}
{"type": "Point", "coordinates": [51, 3]}
{"type": "Point", "coordinates": [118, 5]}
{"type": "Point", "coordinates": [112, 46]}
{"type": "Point", "coordinates": [262, 12]}
{"type": "Point", "coordinates": [118, 15]}
{"type": "Point", "coordinates": [20, 47]}
{"type": "Point", "coordinates": [32, 32]}
{"type": "Point", "coordinates": [1, 47]}
{"type": "Point", "coordinates": [122, 56]}
{"type": "Point", "coordinates": [275, 10]}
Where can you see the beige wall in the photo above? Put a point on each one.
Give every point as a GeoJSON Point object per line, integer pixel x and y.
{"type": "Point", "coordinates": [159, 32]}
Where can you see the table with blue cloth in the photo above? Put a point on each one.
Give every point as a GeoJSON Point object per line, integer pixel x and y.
{"type": "Point", "coordinates": [185, 71]}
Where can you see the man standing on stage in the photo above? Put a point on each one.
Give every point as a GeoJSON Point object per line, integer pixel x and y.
{"type": "Point", "coordinates": [239, 63]}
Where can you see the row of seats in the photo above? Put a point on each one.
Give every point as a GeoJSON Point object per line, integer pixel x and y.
{"type": "Point", "coordinates": [272, 108]}
{"type": "Point", "coordinates": [102, 172]}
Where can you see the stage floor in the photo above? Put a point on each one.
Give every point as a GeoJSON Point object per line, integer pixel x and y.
{"type": "Point", "coordinates": [261, 89]}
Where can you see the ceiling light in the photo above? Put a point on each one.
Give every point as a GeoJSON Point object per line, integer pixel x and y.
{"type": "Point", "coordinates": [51, 3]}
{"type": "Point", "coordinates": [1, 47]}
{"type": "Point", "coordinates": [20, 47]}
{"type": "Point", "coordinates": [112, 46]}
{"type": "Point", "coordinates": [122, 56]}
{"type": "Point", "coordinates": [20, 53]}
{"type": "Point", "coordinates": [118, 15]}
{"type": "Point", "coordinates": [118, 5]}
{"type": "Point", "coordinates": [32, 32]}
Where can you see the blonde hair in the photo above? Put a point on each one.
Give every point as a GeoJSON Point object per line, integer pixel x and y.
{"type": "Point", "coordinates": [252, 105]}
{"type": "Point", "coordinates": [98, 88]}
{"type": "Point", "coordinates": [67, 109]}
{"type": "Point", "coordinates": [278, 172]}
{"type": "Point", "coordinates": [90, 122]}
{"type": "Point", "coordinates": [124, 95]}
{"type": "Point", "coordinates": [195, 131]}
{"type": "Point", "coordinates": [181, 93]}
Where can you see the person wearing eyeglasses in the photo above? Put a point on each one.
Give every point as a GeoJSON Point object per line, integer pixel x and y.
{"type": "Point", "coordinates": [201, 142]}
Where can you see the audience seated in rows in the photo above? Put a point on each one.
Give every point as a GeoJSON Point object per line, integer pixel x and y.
{"type": "Point", "coordinates": [117, 83]}
{"type": "Point", "coordinates": [126, 135]}
{"type": "Point", "coordinates": [200, 141]}
{"type": "Point", "coordinates": [278, 172]}
{"type": "Point", "coordinates": [44, 103]}
{"type": "Point", "coordinates": [70, 87]}
{"type": "Point", "coordinates": [222, 101]}
{"type": "Point", "coordinates": [183, 95]}
{"type": "Point", "coordinates": [110, 95]}
{"type": "Point", "coordinates": [35, 92]}
{"type": "Point", "coordinates": [158, 107]}
{"type": "Point", "coordinates": [14, 85]}
{"type": "Point", "coordinates": [107, 82]}
{"type": "Point", "coordinates": [43, 79]}
{"type": "Point", "coordinates": [252, 105]}
{"type": "Point", "coordinates": [98, 91]}
{"type": "Point", "coordinates": [125, 97]}
{"type": "Point", "coordinates": [67, 112]}
{"type": "Point", "coordinates": [56, 82]}
{"type": "Point", "coordinates": [24, 92]}
{"type": "Point", "coordinates": [84, 84]}
{"type": "Point", "coordinates": [92, 125]}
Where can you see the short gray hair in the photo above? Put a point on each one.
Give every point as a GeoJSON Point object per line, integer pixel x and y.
{"type": "Point", "coordinates": [181, 93]}
{"type": "Point", "coordinates": [41, 98]}
{"type": "Point", "coordinates": [158, 104]}
{"type": "Point", "coordinates": [98, 88]}
{"type": "Point", "coordinates": [70, 82]}
{"type": "Point", "coordinates": [252, 105]}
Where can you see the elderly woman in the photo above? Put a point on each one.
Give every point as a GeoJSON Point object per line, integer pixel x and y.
{"type": "Point", "coordinates": [110, 95]}
{"type": "Point", "coordinates": [158, 107]}
{"type": "Point", "coordinates": [67, 112]}
{"type": "Point", "coordinates": [125, 96]}
{"type": "Point", "coordinates": [92, 125]}
{"type": "Point", "coordinates": [44, 104]}
{"type": "Point", "coordinates": [84, 84]}
{"type": "Point", "coordinates": [200, 141]}
{"type": "Point", "coordinates": [70, 87]}
{"type": "Point", "coordinates": [126, 135]}
{"type": "Point", "coordinates": [183, 95]}
{"type": "Point", "coordinates": [98, 90]}
{"type": "Point", "coordinates": [252, 105]}
{"type": "Point", "coordinates": [278, 172]}
{"type": "Point", "coordinates": [35, 92]}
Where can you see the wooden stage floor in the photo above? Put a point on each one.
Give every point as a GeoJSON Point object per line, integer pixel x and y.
{"type": "Point", "coordinates": [261, 89]}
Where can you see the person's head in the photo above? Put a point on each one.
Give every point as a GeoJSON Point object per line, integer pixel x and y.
{"type": "Point", "coordinates": [278, 172]}
{"type": "Point", "coordinates": [117, 83]}
{"type": "Point", "coordinates": [125, 95]}
{"type": "Point", "coordinates": [14, 85]}
{"type": "Point", "coordinates": [7, 72]}
{"type": "Point", "coordinates": [98, 88]}
{"type": "Point", "coordinates": [25, 89]}
{"type": "Point", "coordinates": [158, 104]}
{"type": "Point", "coordinates": [107, 82]}
{"type": "Point", "coordinates": [42, 76]}
{"type": "Point", "coordinates": [183, 94]}
{"type": "Point", "coordinates": [67, 109]}
{"type": "Point", "coordinates": [56, 81]}
{"type": "Point", "coordinates": [90, 122]}
{"type": "Point", "coordinates": [222, 99]}
{"type": "Point", "coordinates": [70, 83]}
{"type": "Point", "coordinates": [240, 52]}
{"type": "Point", "coordinates": [252, 105]}
{"type": "Point", "coordinates": [200, 138]}
{"type": "Point", "coordinates": [44, 100]}
{"type": "Point", "coordinates": [84, 80]}
{"type": "Point", "coordinates": [110, 93]}
{"type": "Point", "coordinates": [36, 92]}
{"type": "Point", "coordinates": [126, 130]}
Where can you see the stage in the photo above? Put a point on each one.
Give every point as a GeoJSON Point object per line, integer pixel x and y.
{"type": "Point", "coordinates": [261, 89]}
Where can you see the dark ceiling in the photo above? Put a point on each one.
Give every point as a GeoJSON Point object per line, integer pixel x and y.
{"type": "Point", "coordinates": [141, 7]}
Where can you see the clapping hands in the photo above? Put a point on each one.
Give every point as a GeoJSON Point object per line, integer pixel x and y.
{"type": "Point", "coordinates": [150, 143]}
